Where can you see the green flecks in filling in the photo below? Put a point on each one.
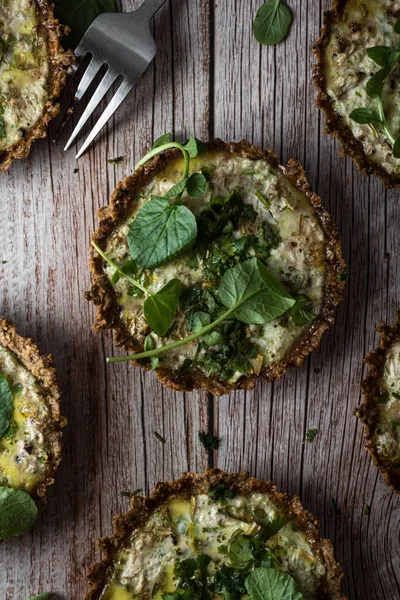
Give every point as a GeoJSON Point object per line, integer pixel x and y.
{"type": "Point", "coordinates": [24, 70]}
{"type": "Point", "coordinates": [249, 210]}
{"type": "Point", "coordinates": [363, 26]}
{"type": "Point", "coordinates": [208, 546]}
{"type": "Point", "coordinates": [388, 428]}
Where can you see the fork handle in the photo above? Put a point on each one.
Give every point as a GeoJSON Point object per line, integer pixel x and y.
{"type": "Point", "coordinates": [149, 8]}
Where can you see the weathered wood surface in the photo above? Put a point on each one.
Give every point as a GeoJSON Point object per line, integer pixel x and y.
{"type": "Point", "coordinates": [210, 78]}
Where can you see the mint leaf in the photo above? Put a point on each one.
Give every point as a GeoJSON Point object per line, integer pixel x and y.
{"type": "Point", "coordinates": [272, 22]}
{"type": "Point", "coordinates": [6, 405]}
{"type": "Point", "coordinates": [160, 308]}
{"type": "Point", "coordinates": [196, 185]}
{"type": "Point", "coordinates": [160, 232]}
{"type": "Point", "coordinates": [364, 116]}
{"type": "Point", "coordinates": [380, 55]}
{"type": "Point", "coordinates": [270, 584]}
{"type": "Point", "coordinates": [18, 512]}
{"type": "Point", "coordinates": [166, 138]}
{"type": "Point", "coordinates": [253, 291]}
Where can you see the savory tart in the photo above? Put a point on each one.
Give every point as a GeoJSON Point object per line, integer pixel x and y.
{"type": "Point", "coordinates": [358, 79]}
{"type": "Point", "coordinates": [380, 412]}
{"type": "Point", "coordinates": [216, 268]}
{"type": "Point", "coordinates": [33, 71]}
{"type": "Point", "coordinates": [30, 421]}
{"type": "Point", "coordinates": [215, 536]}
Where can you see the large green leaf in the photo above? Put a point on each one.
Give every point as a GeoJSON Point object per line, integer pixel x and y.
{"type": "Point", "coordinates": [160, 232]}
{"type": "Point", "coordinates": [272, 22]}
{"type": "Point", "coordinates": [252, 288]}
{"type": "Point", "coordinates": [18, 512]}
{"type": "Point", "coordinates": [79, 15]}
{"type": "Point", "coordinates": [270, 584]}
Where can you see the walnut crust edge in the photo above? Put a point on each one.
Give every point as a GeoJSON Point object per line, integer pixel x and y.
{"type": "Point", "coordinates": [368, 411]}
{"type": "Point", "coordinates": [60, 63]}
{"type": "Point", "coordinates": [102, 294]}
{"type": "Point", "coordinates": [349, 145]}
{"type": "Point", "coordinates": [42, 368]}
{"type": "Point", "coordinates": [190, 484]}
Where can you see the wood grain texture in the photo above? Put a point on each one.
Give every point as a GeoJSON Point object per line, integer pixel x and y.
{"type": "Point", "coordinates": [210, 78]}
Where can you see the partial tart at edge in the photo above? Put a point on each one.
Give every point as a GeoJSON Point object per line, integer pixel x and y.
{"type": "Point", "coordinates": [201, 492]}
{"type": "Point", "coordinates": [57, 67]}
{"type": "Point", "coordinates": [350, 144]}
{"type": "Point", "coordinates": [380, 411]}
{"type": "Point", "coordinates": [124, 202]}
{"type": "Point", "coordinates": [36, 415]}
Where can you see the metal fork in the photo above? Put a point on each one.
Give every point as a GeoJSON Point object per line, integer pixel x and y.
{"type": "Point", "coordinates": [124, 44]}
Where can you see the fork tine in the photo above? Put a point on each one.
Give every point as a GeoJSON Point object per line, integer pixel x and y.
{"type": "Point", "coordinates": [91, 71]}
{"type": "Point", "coordinates": [116, 100]}
{"type": "Point", "coordinates": [99, 93]}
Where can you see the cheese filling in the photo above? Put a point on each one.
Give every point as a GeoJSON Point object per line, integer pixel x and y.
{"type": "Point", "coordinates": [388, 429]}
{"type": "Point", "coordinates": [364, 25]}
{"type": "Point", "coordinates": [278, 225]}
{"type": "Point", "coordinates": [24, 70]}
{"type": "Point", "coordinates": [23, 449]}
{"type": "Point", "coordinates": [231, 536]}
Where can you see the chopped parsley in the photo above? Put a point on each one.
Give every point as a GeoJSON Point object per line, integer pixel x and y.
{"type": "Point", "coordinates": [310, 435]}
{"type": "Point", "coordinates": [115, 161]}
{"type": "Point", "coordinates": [209, 441]}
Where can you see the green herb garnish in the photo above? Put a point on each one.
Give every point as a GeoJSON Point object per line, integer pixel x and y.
{"type": "Point", "coordinates": [221, 493]}
{"type": "Point", "coordinates": [6, 405]}
{"type": "Point", "coordinates": [387, 58]}
{"type": "Point", "coordinates": [18, 512]}
{"type": "Point", "coordinates": [79, 15]}
{"type": "Point", "coordinates": [310, 435]}
{"type": "Point", "coordinates": [2, 128]}
{"type": "Point", "coordinates": [272, 22]}
{"type": "Point", "coordinates": [44, 596]}
{"type": "Point", "coordinates": [250, 294]}
{"type": "Point", "coordinates": [159, 437]}
{"type": "Point", "coordinates": [366, 509]}
{"type": "Point", "coordinates": [271, 584]}
{"type": "Point", "coordinates": [115, 161]}
{"type": "Point", "coordinates": [209, 441]}
{"type": "Point", "coordinates": [130, 494]}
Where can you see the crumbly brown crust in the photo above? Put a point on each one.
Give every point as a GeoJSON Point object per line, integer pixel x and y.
{"type": "Point", "coordinates": [60, 62]}
{"type": "Point", "coordinates": [103, 296]}
{"type": "Point", "coordinates": [42, 368]}
{"type": "Point", "coordinates": [192, 484]}
{"type": "Point", "coordinates": [349, 145]}
{"type": "Point", "coordinates": [371, 387]}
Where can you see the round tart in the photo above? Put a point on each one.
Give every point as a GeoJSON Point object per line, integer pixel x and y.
{"type": "Point", "coordinates": [33, 72]}
{"type": "Point", "coordinates": [246, 226]}
{"type": "Point", "coordinates": [380, 412]}
{"type": "Point", "coordinates": [30, 421]}
{"type": "Point", "coordinates": [215, 536]}
{"type": "Point", "coordinates": [358, 79]}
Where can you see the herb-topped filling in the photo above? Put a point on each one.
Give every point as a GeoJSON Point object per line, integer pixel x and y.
{"type": "Point", "coordinates": [215, 543]}
{"type": "Point", "coordinates": [24, 70]}
{"type": "Point", "coordinates": [29, 429]}
{"type": "Point", "coordinates": [359, 72]}
{"type": "Point", "coordinates": [219, 267]}
{"type": "Point", "coordinates": [388, 431]}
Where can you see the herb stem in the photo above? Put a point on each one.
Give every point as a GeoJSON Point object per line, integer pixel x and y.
{"type": "Point", "coordinates": [120, 271]}
{"type": "Point", "coordinates": [182, 342]}
{"type": "Point", "coordinates": [384, 123]}
{"type": "Point", "coordinates": [167, 146]}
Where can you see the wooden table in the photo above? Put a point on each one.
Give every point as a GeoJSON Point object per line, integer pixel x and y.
{"type": "Point", "coordinates": [210, 78]}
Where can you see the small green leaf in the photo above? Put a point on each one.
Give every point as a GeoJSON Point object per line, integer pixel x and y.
{"type": "Point", "coordinates": [115, 161]}
{"type": "Point", "coordinates": [18, 512]}
{"type": "Point", "coordinates": [375, 85]}
{"type": "Point", "coordinates": [396, 148]}
{"type": "Point", "coordinates": [177, 189]}
{"type": "Point", "coordinates": [212, 339]}
{"type": "Point", "coordinates": [380, 55]}
{"type": "Point", "coordinates": [396, 26]}
{"type": "Point", "coordinates": [198, 320]}
{"type": "Point", "coordinates": [166, 138]}
{"type": "Point", "coordinates": [194, 147]}
{"type": "Point", "coordinates": [6, 405]}
{"type": "Point", "coordinates": [196, 185]}
{"type": "Point", "coordinates": [364, 116]}
{"type": "Point", "coordinates": [150, 345]}
{"type": "Point", "coordinates": [269, 584]}
{"type": "Point", "coordinates": [128, 268]}
{"type": "Point", "coordinates": [300, 313]}
{"type": "Point", "coordinates": [272, 22]}
{"type": "Point", "coordinates": [44, 596]}
{"type": "Point", "coordinates": [161, 232]}
{"type": "Point", "coordinates": [258, 295]}
{"type": "Point", "coordinates": [209, 441]}
{"type": "Point", "coordinates": [221, 493]}
{"type": "Point", "coordinates": [160, 308]}
{"type": "Point", "coordinates": [366, 509]}
{"type": "Point", "coordinates": [240, 551]}
{"type": "Point", "coordinates": [310, 435]}
{"type": "Point", "coordinates": [79, 15]}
